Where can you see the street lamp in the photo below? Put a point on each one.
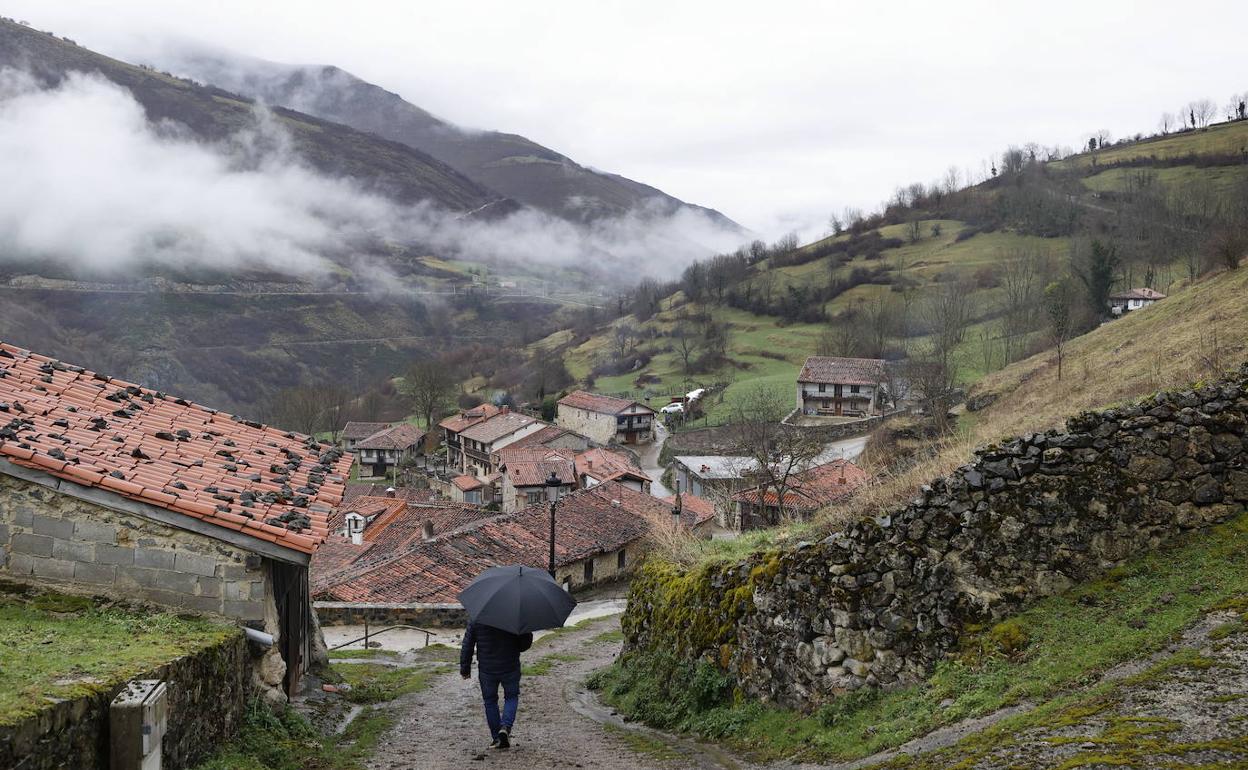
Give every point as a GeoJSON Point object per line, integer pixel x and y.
{"type": "Point", "coordinates": [552, 496]}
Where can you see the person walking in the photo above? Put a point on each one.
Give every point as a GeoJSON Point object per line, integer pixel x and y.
{"type": "Point", "coordinates": [498, 665]}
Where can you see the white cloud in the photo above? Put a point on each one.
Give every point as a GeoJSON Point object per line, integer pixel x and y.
{"type": "Point", "coordinates": [90, 182]}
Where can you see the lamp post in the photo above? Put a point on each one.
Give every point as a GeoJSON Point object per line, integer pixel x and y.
{"type": "Point", "coordinates": [552, 496]}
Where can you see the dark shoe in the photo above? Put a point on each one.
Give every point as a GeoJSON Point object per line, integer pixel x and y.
{"type": "Point", "coordinates": [494, 744]}
{"type": "Point", "coordinates": [504, 739]}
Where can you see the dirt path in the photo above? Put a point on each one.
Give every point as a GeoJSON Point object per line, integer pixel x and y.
{"type": "Point", "coordinates": [443, 727]}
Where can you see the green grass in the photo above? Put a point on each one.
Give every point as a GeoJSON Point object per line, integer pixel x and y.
{"type": "Point", "coordinates": [580, 625]}
{"type": "Point", "coordinates": [1222, 180]}
{"type": "Point", "coordinates": [544, 664]}
{"type": "Point", "coordinates": [609, 637]}
{"type": "Point", "coordinates": [373, 683]}
{"type": "Point", "coordinates": [286, 741]}
{"type": "Point", "coordinates": [361, 654]}
{"type": "Point", "coordinates": [1225, 138]}
{"type": "Point", "coordinates": [57, 646]}
{"type": "Point", "coordinates": [645, 745]}
{"type": "Point", "coordinates": [1060, 642]}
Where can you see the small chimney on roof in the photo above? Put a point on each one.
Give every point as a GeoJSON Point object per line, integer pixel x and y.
{"type": "Point", "coordinates": [615, 503]}
{"type": "Point", "coordinates": [357, 538]}
{"type": "Point", "coordinates": [426, 531]}
{"type": "Point", "coordinates": [677, 507]}
{"type": "Point", "coordinates": [390, 491]}
{"type": "Point", "coordinates": [589, 463]}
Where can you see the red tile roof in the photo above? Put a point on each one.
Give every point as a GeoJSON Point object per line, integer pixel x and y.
{"type": "Point", "coordinates": [588, 522]}
{"type": "Point", "coordinates": [811, 489]}
{"type": "Point", "coordinates": [468, 417]}
{"type": "Point", "coordinates": [603, 464]}
{"type": "Point", "coordinates": [531, 467]}
{"type": "Point", "coordinates": [541, 438]}
{"type": "Point", "coordinates": [842, 371]}
{"type": "Point", "coordinates": [592, 402]}
{"type": "Point", "coordinates": [491, 429]}
{"type": "Point", "coordinates": [401, 436]}
{"type": "Point", "coordinates": [466, 483]}
{"type": "Point", "coordinates": [694, 510]}
{"type": "Point", "coordinates": [358, 489]}
{"type": "Point", "coordinates": [144, 445]}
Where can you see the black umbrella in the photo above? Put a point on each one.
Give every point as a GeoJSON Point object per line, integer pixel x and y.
{"type": "Point", "coordinates": [517, 599]}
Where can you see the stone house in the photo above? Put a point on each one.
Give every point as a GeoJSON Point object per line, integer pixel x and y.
{"type": "Point", "coordinates": [1133, 299]}
{"type": "Point", "coordinates": [388, 448]}
{"type": "Point", "coordinates": [525, 471]}
{"type": "Point", "coordinates": [841, 387]}
{"type": "Point", "coordinates": [598, 466]}
{"type": "Point", "coordinates": [714, 476]}
{"type": "Point", "coordinates": [605, 419]}
{"type": "Point", "coordinates": [113, 489]}
{"type": "Point", "coordinates": [477, 490]}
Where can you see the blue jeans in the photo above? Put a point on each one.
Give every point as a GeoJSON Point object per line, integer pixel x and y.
{"type": "Point", "coordinates": [511, 699]}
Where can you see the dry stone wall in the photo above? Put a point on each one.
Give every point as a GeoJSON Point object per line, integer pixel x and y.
{"type": "Point", "coordinates": [880, 602]}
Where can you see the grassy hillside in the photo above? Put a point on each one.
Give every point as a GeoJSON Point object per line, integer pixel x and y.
{"type": "Point", "coordinates": [970, 239]}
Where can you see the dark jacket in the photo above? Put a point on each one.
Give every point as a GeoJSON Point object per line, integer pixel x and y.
{"type": "Point", "coordinates": [498, 652]}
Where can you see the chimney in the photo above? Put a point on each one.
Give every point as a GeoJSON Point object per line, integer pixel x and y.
{"type": "Point", "coordinates": [357, 538]}
{"type": "Point", "coordinates": [505, 409]}
{"type": "Point", "coordinates": [589, 464]}
{"type": "Point", "coordinates": [842, 479]}
{"type": "Point", "coordinates": [676, 508]}
{"type": "Point", "coordinates": [426, 531]}
{"type": "Point", "coordinates": [615, 503]}
{"type": "Point", "coordinates": [390, 491]}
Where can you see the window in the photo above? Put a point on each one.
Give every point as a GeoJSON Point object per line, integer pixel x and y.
{"type": "Point", "coordinates": [822, 387]}
{"type": "Point", "coordinates": [853, 388]}
{"type": "Point", "coordinates": [620, 559]}
{"type": "Point", "coordinates": [533, 498]}
{"type": "Point", "coordinates": [589, 570]}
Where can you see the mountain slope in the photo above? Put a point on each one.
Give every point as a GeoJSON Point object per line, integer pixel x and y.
{"type": "Point", "coordinates": [509, 163]}
{"type": "Point", "coordinates": [392, 168]}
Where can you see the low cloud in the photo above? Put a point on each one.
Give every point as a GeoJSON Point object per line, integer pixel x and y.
{"type": "Point", "coordinates": [90, 182]}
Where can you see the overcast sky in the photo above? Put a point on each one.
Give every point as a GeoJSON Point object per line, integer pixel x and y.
{"type": "Point", "coordinates": [775, 113]}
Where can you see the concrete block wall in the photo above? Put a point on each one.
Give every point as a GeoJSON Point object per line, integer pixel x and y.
{"type": "Point", "coordinates": [50, 537]}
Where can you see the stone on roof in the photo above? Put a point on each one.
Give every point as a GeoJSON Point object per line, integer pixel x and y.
{"type": "Point", "coordinates": [146, 446]}
{"type": "Point", "coordinates": [842, 371]}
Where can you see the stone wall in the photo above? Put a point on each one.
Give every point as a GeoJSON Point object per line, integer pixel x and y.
{"type": "Point", "coordinates": [54, 538]}
{"type": "Point", "coordinates": [419, 615]}
{"type": "Point", "coordinates": [208, 693]}
{"type": "Point", "coordinates": [880, 602]}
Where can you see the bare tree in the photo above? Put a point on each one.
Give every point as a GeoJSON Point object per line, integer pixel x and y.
{"type": "Point", "coordinates": [779, 452]}
{"type": "Point", "coordinates": [1166, 123]}
{"type": "Point", "coordinates": [301, 409]}
{"type": "Point", "coordinates": [838, 339]}
{"type": "Point", "coordinates": [1022, 275]}
{"type": "Point", "coordinates": [429, 386]}
{"type": "Point", "coordinates": [371, 406]}
{"type": "Point", "coordinates": [1059, 313]}
{"type": "Point", "coordinates": [689, 343]}
{"type": "Point", "coordinates": [932, 370]}
{"type": "Point", "coordinates": [624, 339]}
{"type": "Point", "coordinates": [1203, 111]}
{"type": "Point", "coordinates": [879, 320]}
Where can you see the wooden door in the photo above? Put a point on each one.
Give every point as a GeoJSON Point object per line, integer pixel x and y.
{"type": "Point", "coordinates": [294, 618]}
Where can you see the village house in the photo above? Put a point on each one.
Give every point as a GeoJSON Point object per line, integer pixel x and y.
{"type": "Point", "coordinates": [605, 419]}
{"type": "Point", "coordinates": [110, 488]}
{"type": "Point", "coordinates": [550, 437]}
{"type": "Point", "coordinates": [841, 387]}
{"type": "Point", "coordinates": [697, 514]}
{"type": "Point", "coordinates": [454, 425]}
{"type": "Point", "coordinates": [600, 534]}
{"type": "Point", "coordinates": [480, 442]}
{"type": "Point", "coordinates": [525, 471]}
{"type": "Point", "coordinates": [806, 492]}
{"type": "Point", "coordinates": [1133, 299]}
{"type": "Point", "coordinates": [598, 466]}
{"type": "Point", "coordinates": [352, 432]}
{"type": "Point", "coordinates": [714, 477]}
{"type": "Point", "coordinates": [384, 451]}
{"type": "Point", "coordinates": [478, 490]}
